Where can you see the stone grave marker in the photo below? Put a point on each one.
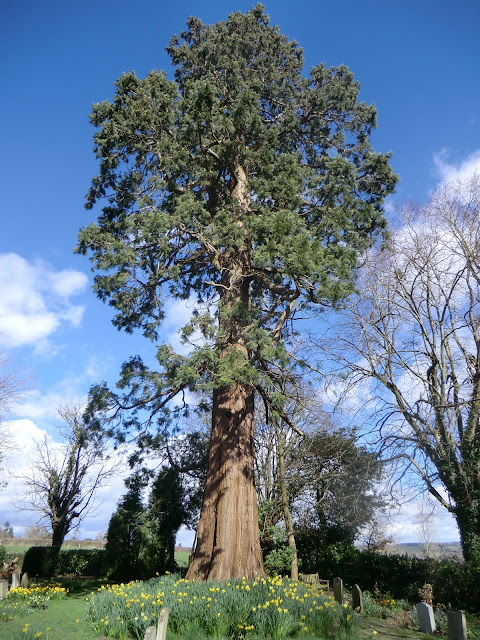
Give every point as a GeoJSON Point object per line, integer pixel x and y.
{"type": "Point", "coordinates": [457, 625]}
{"type": "Point", "coordinates": [338, 590]}
{"type": "Point", "coordinates": [24, 581]}
{"type": "Point", "coordinates": [357, 599]}
{"type": "Point", "coordinates": [3, 588]}
{"type": "Point", "coordinates": [15, 579]}
{"type": "Point", "coordinates": [150, 634]}
{"type": "Point", "coordinates": [426, 621]}
{"type": "Point", "coordinates": [162, 624]}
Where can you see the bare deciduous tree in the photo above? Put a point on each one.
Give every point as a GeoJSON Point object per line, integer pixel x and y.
{"type": "Point", "coordinates": [411, 339]}
{"type": "Point", "coordinates": [425, 516]}
{"type": "Point", "coordinates": [12, 385]}
{"type": "Point", "coordinates": [375, 536]}
{"type": "Point", "coordinates": [64, 478]}
{"type": "Point", "coordinates": [273, 442]}
{"type": "Point", "coordinates": [317, 475]}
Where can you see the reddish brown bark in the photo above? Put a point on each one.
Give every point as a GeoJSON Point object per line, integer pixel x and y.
{"type": "Point", "coordinates": [227, 542]}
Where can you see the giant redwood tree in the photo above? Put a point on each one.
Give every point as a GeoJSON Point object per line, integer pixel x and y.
{"type": "Point", "coordinates": [247, 189]}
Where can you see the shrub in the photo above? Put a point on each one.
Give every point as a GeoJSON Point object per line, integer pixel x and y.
{"type": "Point", "coordinates": [83, 562]}
{"type": "Point", "coordinates": [41, 561]}
{"type": "Point", "coordinates": [3, 555]}
{"type": "Point", "coordinates": [454, 583]}
{"type": "Point", "coordinates": [279, 561]}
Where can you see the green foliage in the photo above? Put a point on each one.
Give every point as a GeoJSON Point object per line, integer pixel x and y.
{"type": "Point", "coordinates": [455, 583]}
{"type": "Point", "coordinates": [41, 561]}
{"type": "Point", "coordinates": [3, 554]}
{"type": "Point", "coordinates": [335, 478]}
{"type": "Point", "coordinates": [242, 185]}
{"type": "Point", "coordinates": [141, 540]}
{"type": "Point", "coordinates": [278, 561]}
{"type": "Point", "coordinates": [83, 562]}
{"type": "Point", "coordinates": [166, 513]}
{"type": "Point", "coordinates": [122, 559]}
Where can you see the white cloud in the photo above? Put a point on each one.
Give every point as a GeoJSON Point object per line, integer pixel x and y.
{"type": "Point", "coordinates": [24, 433]}
{"type": "Point", "coordinates": [450, 171]}
{"type": "Point", "coordinates": [70, 389]}
{"type": "Point", "coordinates": [405, 527]}
{"type": "Point", "coordinates": [67, 282]}
{"type": "Point", "coordinates": [36, 406]}
{"type": "Point", "coordinates": [35, 300]}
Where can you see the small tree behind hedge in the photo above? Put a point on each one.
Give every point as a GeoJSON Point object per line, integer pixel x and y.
{"type": "Point", "coordinates": [166, 513]}
{"type": "Point", "coordinates": [125, 537]}
{"type": "Point", "coordinates": [141, 540]}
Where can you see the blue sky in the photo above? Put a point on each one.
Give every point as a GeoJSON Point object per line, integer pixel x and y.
{"type": "Point", "coordinates": [418, 61]}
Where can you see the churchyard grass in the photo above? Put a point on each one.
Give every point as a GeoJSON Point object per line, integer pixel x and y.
{"type": "Point", "coordinates": [44, 613]}
{"type": "Point", "coordinates": [181, 558]}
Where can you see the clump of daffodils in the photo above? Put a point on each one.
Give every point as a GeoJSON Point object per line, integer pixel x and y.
{"type": "Point", "coordinates": [267, 607]}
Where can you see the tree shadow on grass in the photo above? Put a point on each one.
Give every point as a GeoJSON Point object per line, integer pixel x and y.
{"type": "Point", "coordinates": [76, 585]}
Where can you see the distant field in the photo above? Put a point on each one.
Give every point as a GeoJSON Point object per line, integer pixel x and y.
{"type": "Point", "coordinates": [436, 549]}
{"type": "Point", "coordinates": [181, 558]}
{"type": "Point", "coordinates": [21, 545]}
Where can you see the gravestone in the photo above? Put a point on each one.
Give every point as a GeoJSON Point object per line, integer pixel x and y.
{"type": "Point", "coordinates": [162, 624]}
{"type": "Point", "coordinates": [338, 590]}
{"type": "Point", "coordinates": [15, 579]}
{"type": "Point", "coordinates": [357, 599]}
{"type": "Point", "coordinates": [426, 621]}
{"type": "Point", "coordinates": [150, 634]}
{"type": "Point", "coordinates": [3, 588]}
{"type": "Point", "coordinates": [457, 626]}
{"type": "Point", "coordinates": [24, 581]}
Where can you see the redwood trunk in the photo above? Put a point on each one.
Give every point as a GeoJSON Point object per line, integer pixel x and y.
{"type": "Point", "coordinates": [228, 543]}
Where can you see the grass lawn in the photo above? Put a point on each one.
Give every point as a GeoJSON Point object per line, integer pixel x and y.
{"type": "Point", "coordinates": [16, 549]}
{"type": "Point", "coordinates": [65, 618]}
{"type": "Point", "coordinates": [181, 558]}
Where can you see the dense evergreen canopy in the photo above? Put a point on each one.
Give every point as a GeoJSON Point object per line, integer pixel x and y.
{"type": "Point", "coordinates": [249, 188]}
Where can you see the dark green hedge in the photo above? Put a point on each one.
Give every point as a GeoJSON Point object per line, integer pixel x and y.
{"type": "Point", "coordinates": [45, 562]}
{"type": "Point", "coordinates": [40, 561]}
{"type": "Point", "coordinates": [454, 583]}
{"type": "Point", "coordinates": [83, 562]}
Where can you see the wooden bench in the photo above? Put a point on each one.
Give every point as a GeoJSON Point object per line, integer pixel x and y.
{"type": "Point", "coordinates": [313, 579]}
